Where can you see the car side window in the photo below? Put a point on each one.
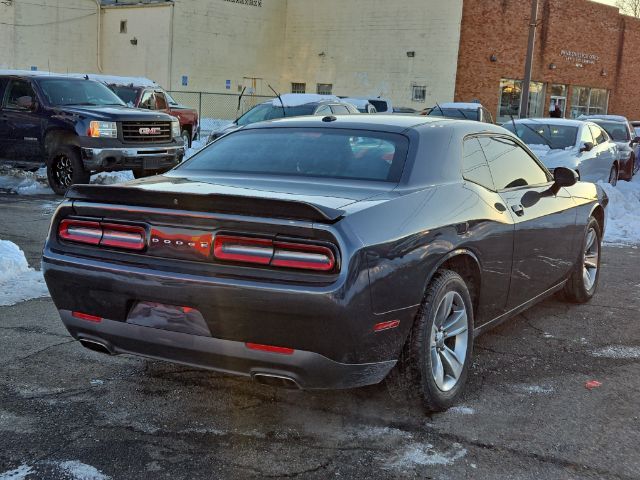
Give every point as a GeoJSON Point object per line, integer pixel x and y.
{"type": "Point", "coordinates": [598, 135]}
{"type": "Point", "coordinates": [474, 164]}
{"type": "Point", "coordinates": [585, 136]}
{"type": "Point", "coordinates": [147, 100]}
{"type": "Point", "coordinates": [340, 109]}
{"type": "Point", "coordinates": [510, 165]}
{"type": "Point", "coordinates": [19, 95]}
{"type": "Point", "coordinates": [324, 110]}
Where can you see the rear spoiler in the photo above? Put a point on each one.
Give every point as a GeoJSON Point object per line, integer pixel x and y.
{"type": "Point", "coordinates": [211, 203]}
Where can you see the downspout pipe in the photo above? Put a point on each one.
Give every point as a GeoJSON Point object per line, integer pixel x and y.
{"type": "Point", "coordinates": [99, 42]}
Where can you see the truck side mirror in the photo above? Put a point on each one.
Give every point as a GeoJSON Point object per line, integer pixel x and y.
{"type": "Point", "coordinates": [586, 147]}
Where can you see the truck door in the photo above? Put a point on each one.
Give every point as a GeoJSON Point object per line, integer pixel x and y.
{"type": "Point", "coordinates": [21, 123]}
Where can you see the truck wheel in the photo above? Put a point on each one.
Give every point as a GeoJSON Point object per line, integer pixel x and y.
{"type": "Point", "coordinates": [186, 138]}
{"type": "Point", "coordinates": [65, 168]}
{"type": "Point", "coordinates": [434, 364]}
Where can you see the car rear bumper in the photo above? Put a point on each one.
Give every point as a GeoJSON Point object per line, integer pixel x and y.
{"type": "Point", "coordinates": [143, 158]}
{"type": "Point", "coordinates": [307, 370]}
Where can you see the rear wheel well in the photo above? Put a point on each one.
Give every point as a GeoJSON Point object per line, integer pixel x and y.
{"type": "Point", "coordinates": [467, 267]}
{"type": "Point", "coordinates": [598, 214]}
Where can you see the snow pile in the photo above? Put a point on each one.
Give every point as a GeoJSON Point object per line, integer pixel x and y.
{"type": "Point", "coordinates": [81, 471]}
{"type": "Point", "coordinates": [111, 178]}
{"type": "Point", "coordinates": [72, 470]}
{"type": "Point", "coordinates": [208, 125]}
{"type": "Point", "coordinates": [18, 282]}
{"type": "Point", "coordinates": [623, 212]}
{"type": "Point", "coordinates": [23, 182]}
{"type": "Point", "coordinates": [425, 454]}
{"type": "Point", "coordinates": [19, 473]}
{"type": "Point", "coordinates": [618, 351]}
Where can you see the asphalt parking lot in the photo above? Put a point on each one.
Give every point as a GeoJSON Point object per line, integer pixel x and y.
{"type": "Point", "coordinates": [526, 414]}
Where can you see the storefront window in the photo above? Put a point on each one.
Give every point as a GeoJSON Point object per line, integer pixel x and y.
{"type": "Point", "coordinates": [588, 101]}
{"type": "Point", "coordinates": [510, 94]}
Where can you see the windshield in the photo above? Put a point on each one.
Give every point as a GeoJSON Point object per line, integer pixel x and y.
{"type": "Point", "coordinates": [62, 92]}
{"type": "Point", "coordinates": [305, 152]}
{"type": "Point", "coordinates": [127, 94]}
{"type": "Point", "coordinates": [454, 113]}
{"type": "Point", "coordinates": [269, 111]}
{"type": "Point", "coordinates": [555, 136]}
{"type": "Point", "coordinates": [617, 131]}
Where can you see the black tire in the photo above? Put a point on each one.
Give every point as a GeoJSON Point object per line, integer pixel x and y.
{"type": "Point", "coordinates": [65, 168]}
{"type": "Point", "coordinates": [614, 174]}
{"type": "Point", "coordinates": [578, 289]}
{"type": "Point", "coordinates": [186, 137]}
{"type": "Point", "coordinates": [413, 379]}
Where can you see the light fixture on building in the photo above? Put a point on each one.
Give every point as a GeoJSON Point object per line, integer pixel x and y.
{"type": "Point", "coordinates": [322, 54]}
{"type": "Point", "coordinates": [134, 41]}
{"type": "Point", "coordinates": [552, 66]}
{"type": "Point", "coordinates": [493, 58]}
{"type": "Point", "coordinates": [411, 54]}
{"type": "Point", "coordinates": [603, 72]}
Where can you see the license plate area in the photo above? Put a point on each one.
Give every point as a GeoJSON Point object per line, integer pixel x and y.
{"type": "Point", "coordinates": [151, 163]}
{"type": "Point", "coordinates": [168, 317]}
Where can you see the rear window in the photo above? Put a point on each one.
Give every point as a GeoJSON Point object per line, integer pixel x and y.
{"type": "Point", "coordinates": [455, 113]}
{"type": "Point", "coordinates": [298, 152]}
{"type": "Point", "coordinates": [557, 137]}
{"type": "Point", "coordinates": [127, 94]}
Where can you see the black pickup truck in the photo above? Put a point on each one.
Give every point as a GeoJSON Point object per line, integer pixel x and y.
{"type": "Point", "coordinates": [77, 127]}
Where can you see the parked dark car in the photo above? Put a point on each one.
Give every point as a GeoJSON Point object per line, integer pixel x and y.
{"type": "Point", "coordinates": [290, 253]}
{"type": "Point", "coordinates": [290, 105]}
{"type": "Point", "coordinates": [462, 110]}
{"type": "Point", "coordinates": [157, 99]}
{"type": "Point", "coordinates": [624, 136]}
{"type": "Point", "coordinates": [77, 126]}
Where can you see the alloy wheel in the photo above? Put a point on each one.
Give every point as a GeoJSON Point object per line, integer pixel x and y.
{"type": "Point", "coordinates": [449, 338]}
{"type": "Point", "coordinates": [63, 171]}
{"type": "Point", "coordinates": [185, 139]}
{"type": "Point", "coordinates": [590, 260]}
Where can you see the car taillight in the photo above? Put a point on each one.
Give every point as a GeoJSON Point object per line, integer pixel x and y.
{"type": "Point", "coordinates": [127, 237]}
{"type": "Point", "coordinates": [263, 251]}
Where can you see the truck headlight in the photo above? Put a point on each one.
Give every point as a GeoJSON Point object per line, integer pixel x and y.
{"type": "Point", "coordinates": [175, 128]}
{"type": "Point", "coordinates": [103, 129]}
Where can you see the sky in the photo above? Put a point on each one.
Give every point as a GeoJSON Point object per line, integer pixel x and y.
{"type": "Point", "coordinates": [608, 2]}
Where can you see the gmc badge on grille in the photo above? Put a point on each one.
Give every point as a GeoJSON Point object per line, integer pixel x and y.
{"type": "Point", "coordinates": [150, 131]}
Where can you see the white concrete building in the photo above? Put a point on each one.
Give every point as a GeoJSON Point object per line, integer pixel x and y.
{"type": "Point", "coordinates": [406, 50]}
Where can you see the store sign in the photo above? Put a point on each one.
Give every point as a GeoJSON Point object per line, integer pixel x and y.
{"type": "Point", "coordinates": [579, 57]}
{"type": "Point", "coordinates": [251, 3]}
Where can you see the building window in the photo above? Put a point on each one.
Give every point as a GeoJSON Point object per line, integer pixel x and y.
{"type": "Point", "coordinates": [588, 101]}
{"type": "Point", "coordinates": [123, 26]}
{"type": "Point", "coordinates": [324, 89]}
{"type": "Point", "coordinates": [510, 95]}
{"type": "Point", "coordinates": [419, 93]}
{"type": "Point", "coordinates": [298, 88]}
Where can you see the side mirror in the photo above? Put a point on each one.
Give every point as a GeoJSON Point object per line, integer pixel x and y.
{"type": "Point", "coordinates": [565, 177]}
{"type": "Point", "coordinates": [587, 147]}
{"type": "Point", "coordinates": [26, 102]}
{"type": "Point", "coordinates": [635, 140]}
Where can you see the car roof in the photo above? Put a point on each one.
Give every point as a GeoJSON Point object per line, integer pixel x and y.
{"type": "Point", "coordinates": [396, 123]}
{"type": "Point", "coordinates": [550, 121]}
{"type": "Point", "coordinates": [461, 105]}
{"type": "Point", "coordinates": [610, 118]}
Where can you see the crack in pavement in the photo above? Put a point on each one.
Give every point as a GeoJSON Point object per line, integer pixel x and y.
{"type": "Point", "coordinates": [40, 351]}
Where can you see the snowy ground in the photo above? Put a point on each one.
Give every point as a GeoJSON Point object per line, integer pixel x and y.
{"type": "Point", "coordinates": [18, 282]}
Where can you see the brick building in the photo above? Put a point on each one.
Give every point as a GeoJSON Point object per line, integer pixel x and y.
{"type": "Point", "coordinates": [584, 60]}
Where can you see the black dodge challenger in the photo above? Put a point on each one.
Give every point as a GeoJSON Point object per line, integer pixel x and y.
{"type": "Point", "coordinates": [326, 252]}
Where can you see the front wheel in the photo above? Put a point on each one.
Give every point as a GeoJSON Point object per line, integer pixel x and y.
{"type": "Point", "coordinates": [613, 176]}
{"type": "Point", "coordinates": [583, 282]}
{"type": "Point", "coordinates": [436, 359]}
{"type": "Point", "coordinates": [186, 138]}
{"type": "Point", "coordinates": [65, 168]}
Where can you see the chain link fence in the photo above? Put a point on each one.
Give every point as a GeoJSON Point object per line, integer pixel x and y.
{"type": "Point", "coordinates": [217, 109]}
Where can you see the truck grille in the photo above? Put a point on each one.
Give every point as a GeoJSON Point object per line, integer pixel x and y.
{"type": "Point", "coordinates": [146, 132]}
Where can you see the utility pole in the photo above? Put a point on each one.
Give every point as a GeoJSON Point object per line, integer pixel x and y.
{"type": "Point", "coordinates": [524, 100]}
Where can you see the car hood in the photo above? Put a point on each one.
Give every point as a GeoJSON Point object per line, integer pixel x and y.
{"type": "Point", "coordinates": [114, 113]}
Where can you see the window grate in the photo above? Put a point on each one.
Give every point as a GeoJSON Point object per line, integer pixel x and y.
{"type": "Point", "coordinates": [324, 88]}
{"type": "Point", "coordinates": [419, 93]}
{"type": "Point", "coordinates": [298, 88]}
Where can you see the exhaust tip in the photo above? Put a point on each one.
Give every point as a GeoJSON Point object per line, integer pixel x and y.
{"type": "Point", "coordinates": [95, 346]}
{"type": "Point", "coordinates": [275, 381]}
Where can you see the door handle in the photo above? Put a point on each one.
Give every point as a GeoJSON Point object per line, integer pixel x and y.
{"type": "Point", "coordinates": [518, 209]}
